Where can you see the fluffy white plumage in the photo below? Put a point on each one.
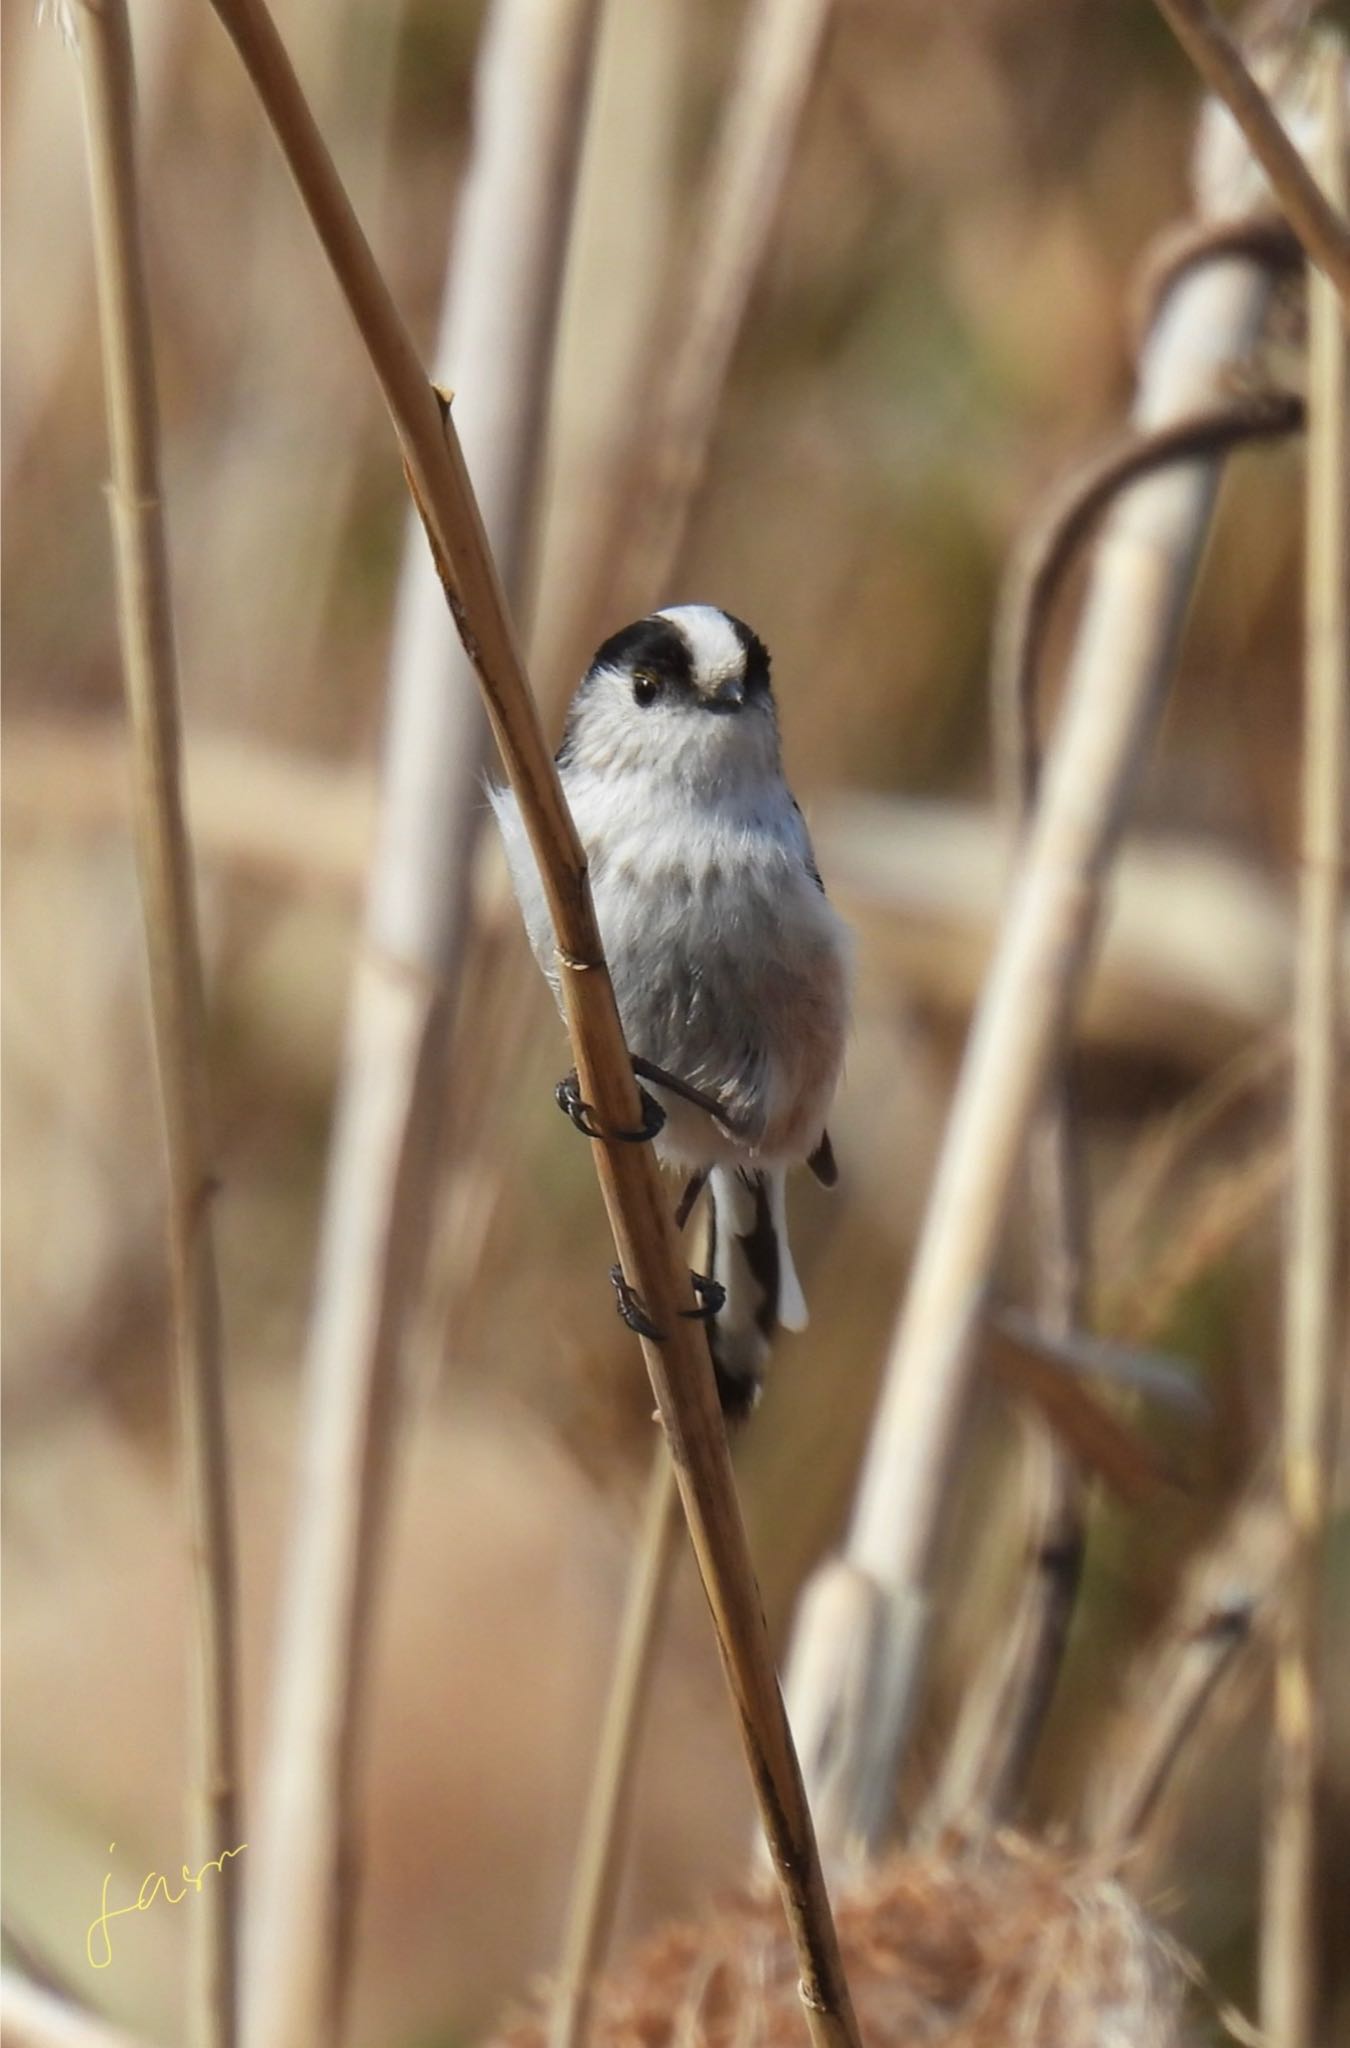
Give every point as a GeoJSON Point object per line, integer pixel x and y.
{"type": "Point", "coordinates": [730, 968]}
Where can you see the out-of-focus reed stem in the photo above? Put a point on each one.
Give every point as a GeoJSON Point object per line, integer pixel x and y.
{"type": "Point", "coordinates": [1288, 1954]}
{"type": "Point", "coordinates": [1222, 1608]}
{"type": "Point", "coordinates": [502, 300]}
{"type": "Point", "coordinates": [994, 1748]}
{"type": "Point", "coordinates": [590, 1906]}
{"type": "Point", "coordinates": [33, 2018]}
{"type": "Point", "coordinates": [177, 1001]}
{"type": "Point", "coordinates": [1143, 574]}
{"type": "Point", "coordinates": [1317, 219]}
{"type": "Point", "coordinates": [644, 1228]}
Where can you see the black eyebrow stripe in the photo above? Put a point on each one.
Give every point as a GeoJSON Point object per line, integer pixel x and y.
{"type": "Point", "coordinates": [757, 664]}
{"type": "Point", "coordinates": [653, 644]}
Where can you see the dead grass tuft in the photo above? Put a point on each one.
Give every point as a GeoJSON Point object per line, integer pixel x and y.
{"type": "Point", "coordinates": [993, 1944]}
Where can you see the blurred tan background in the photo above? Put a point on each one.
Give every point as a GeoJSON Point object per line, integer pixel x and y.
{"type": "Point", "coordinates": [943, 324]}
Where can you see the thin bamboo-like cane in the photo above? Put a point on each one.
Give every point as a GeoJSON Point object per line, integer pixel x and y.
{"type": "Point", "coordinates": [502, 305]}
{"type": "Point", "coordinates": [1143, 574]}
{"type": "Point", "coordinates": [33, 2018]}
{"type": "Point", "coordinates": [1288, 1953]}
{"type": "Point", "coordinates": [1318, 221]}
{"type": "Point", "coordinates": [595, 1880]}
{"type": "Point", "coordinates": [177, 1001]}
{"type": "Point", "coordinates": [644, 1229]}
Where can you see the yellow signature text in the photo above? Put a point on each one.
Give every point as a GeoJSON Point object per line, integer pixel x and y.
{"type": "Point", "coordinates": [145, 1898]}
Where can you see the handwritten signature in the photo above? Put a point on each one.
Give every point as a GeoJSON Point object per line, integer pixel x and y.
{"type": "Point", "coordinates": [144, 1899]}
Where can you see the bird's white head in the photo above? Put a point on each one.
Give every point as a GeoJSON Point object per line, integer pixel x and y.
{"type": "Point", "coordinates": [682, 694]}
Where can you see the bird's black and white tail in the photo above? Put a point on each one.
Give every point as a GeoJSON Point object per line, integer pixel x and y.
{"type": "Point", "coordinates": [750, 1258]}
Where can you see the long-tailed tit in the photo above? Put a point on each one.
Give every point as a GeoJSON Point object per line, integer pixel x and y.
{"type": "Point", "coordinates": [730, 968]}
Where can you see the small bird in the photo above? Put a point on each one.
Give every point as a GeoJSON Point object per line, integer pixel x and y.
{"type": "Point", "coordinates": [730, 968]}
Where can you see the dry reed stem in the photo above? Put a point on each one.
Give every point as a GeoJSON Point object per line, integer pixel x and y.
{"type": "Point", "coordinates": [986, 1771]}
{"type": "Point", "coordinates": [996, 1740]}
{"type": "Point", "coordinates": [1289, 1968]}
{"type": "Point", "coordinates": [644, 1229]}
{"type": "Point", "coordinates": [177, 1001]}
{"type": "Point", "coordinates": [1318, 222]}
{"type": "Point", "coordinates": [33, 2018]}
{"type": "Point", "coordinates": [1222, 1607]}
{"type": "Point", "coordinates": [590, 1905]}
{"type": "Point", "coordinates": [1176, 250]}
{"type": "Point", "coordinates": [1144, 569]}
{"type": "Point", "coordinates": [498, 336]}
{"type": "Point", "coordinates": [690, 356]}
{"type": "Point", "coordinates": [992, 1750]}
{"type": "Point", "coordinates": [1048, 548]}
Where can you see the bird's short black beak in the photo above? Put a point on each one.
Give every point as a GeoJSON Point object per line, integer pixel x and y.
{"type": "Point", "coordinates": [728, 696]}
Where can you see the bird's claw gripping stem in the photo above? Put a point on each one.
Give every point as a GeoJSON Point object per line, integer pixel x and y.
{"type": "Point", "coordinates": [711, 1298]}
{"type": "Point", "coordinates": [567, 1094]}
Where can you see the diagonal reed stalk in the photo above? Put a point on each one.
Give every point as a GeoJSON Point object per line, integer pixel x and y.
{"type": "Point", "coordinates": [644, 1229]}
{"type": "Point", "coordinates": [1317, 220]}
{"type": "Point", "coordinates": [177, 1001]}
{"type": "Point", "coordinates": [502, 301]}
{"type": "Point", "coordinates": [1290, 1902]}
{"type": "Point", "coordinates": [1144, 570]}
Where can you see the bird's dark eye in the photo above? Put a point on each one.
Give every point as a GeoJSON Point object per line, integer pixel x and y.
{"type": "Point", "coordinates": [646, 688]}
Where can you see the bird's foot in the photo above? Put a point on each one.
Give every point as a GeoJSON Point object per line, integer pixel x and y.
{"type": "Point", "coordinates": [710, 1294]}
{"type": "Point", "coordinates": [567, 1094]}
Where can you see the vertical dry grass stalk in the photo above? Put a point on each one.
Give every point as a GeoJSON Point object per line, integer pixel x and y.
{"type": "Point", "coordinates": [1143, 573]}
{"type": "Point", "coordinates": [177, 1000]}
{"type": "Point", "coordinates": [640, 1218]}
{"type": "Point", "coordinates": [1289, 1969]}
{"type": "Point", "coordinates": [33, 2018]}
{"type": "Point", "coordinates": [690, 357]}
{"type": "Point", "coordinates": [590, 1908]}
{"type": "Point", "coordinates": [1319, 222]}
{"type": "Point", "coordinates": [502, 300]}
{"type": "Point", "coordinates": [1222, 1607]}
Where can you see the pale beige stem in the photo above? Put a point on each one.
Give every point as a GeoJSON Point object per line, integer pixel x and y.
{"type": "Point", "coordinates": [33, 2018]}
{"type": "Point", "coordinates": [177, 1002]}
{"type": "Point", "coordinates": [590, 1906]}
{"type": "Point", "coordinates": [1317, 216]}
{"type": "Point", "coordinates": [1290, 1905]}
